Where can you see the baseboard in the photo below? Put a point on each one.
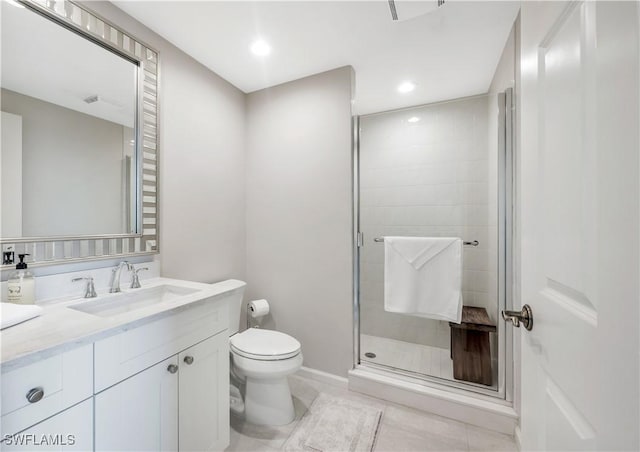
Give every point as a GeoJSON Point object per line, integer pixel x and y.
{"type": "Point", "coordinates": [517, 436]}
{"type": "Point", "coordinates": [323, 377]}
{"type": "Point", "coordinates": [472, 410]}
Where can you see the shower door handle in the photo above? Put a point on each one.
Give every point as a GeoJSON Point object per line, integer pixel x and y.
{"type": "Point", "coordinates": [525, 316]}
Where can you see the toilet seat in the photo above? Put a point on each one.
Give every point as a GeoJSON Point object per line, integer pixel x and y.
{"type": "Point", "coordinates": [264, 345]}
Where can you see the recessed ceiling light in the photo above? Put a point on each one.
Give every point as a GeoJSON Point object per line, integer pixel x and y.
{"type": "Point", "coordinates": [413, 119]}
{"type": "Point", "coordinates": [406, 87]}
{"type": "Point", "coordinates": [260, 48]}
{"type": "Point", "coordinates": [14, 3]}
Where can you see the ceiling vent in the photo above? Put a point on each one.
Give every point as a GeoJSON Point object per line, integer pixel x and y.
{"type": "Point", "coordinates": [402, 10]}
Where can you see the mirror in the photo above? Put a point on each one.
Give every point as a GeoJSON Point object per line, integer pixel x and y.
{"type": "Point", "coordinates": [79, 136]}
{"type": "Point", "coordinates": [68, 131]}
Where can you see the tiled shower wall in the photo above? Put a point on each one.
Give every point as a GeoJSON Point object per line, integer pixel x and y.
{"type": "Point", "coordinates": [429, 171]}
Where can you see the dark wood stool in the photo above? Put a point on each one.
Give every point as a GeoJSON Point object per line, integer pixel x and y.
{"type": "Point", "coordinates": [470, 346]}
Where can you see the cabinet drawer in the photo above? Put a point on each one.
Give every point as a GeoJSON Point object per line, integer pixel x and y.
{"type": "Point", "coordinates": [120, 356]}
{"type": "Point", "coordinates": [71, 430]}
{"type": "Point", "coordinates": [64, 379]}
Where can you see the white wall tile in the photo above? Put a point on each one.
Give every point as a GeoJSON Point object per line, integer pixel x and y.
{"type": "Point", "coordinates": [430, 178]}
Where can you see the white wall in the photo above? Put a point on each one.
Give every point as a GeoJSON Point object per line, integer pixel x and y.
{"type": "Point", "coordinates": [504, 76]}
{"type": "Point", "coordinates": [299, 218]}
{"type": "Point", "coordinates": [71, 170]}
{"type": "Point", "coordinates": [11, 175]}
{"type": "Point", "coordinates": [426, 178]}
{"type": "Point", "coordinates": [202, 177]}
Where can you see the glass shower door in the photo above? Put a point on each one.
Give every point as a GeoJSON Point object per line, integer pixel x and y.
{"type": "Point", "coordinates": [436, 170]}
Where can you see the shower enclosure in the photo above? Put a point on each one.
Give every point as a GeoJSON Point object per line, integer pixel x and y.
{"type": "Point", "coordinates": [436, 170]}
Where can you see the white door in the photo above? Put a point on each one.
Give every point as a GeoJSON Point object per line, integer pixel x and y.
{"type": "Point", "coordinates": [204, 395]}
{"type": "Point", "coordinates": [140, 413]}
{"type": "Point", "coordinates": [71, 430]}
{"type": "Point", "coordinates": [579, 229]}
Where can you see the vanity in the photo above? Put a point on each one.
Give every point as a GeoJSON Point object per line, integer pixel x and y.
{"type": "Point", "coordinates": [146, 369]}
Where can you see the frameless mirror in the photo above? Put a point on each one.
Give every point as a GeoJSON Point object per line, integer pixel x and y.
{"type": "Point", "coordinates": [69, 127]}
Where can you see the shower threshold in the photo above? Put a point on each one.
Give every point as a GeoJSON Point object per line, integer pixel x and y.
{"type": "Point", "coordinates": [457, 402]}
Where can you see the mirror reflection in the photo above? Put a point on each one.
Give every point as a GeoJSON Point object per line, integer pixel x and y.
{"type": "Point", "coordinates": [67, 158]}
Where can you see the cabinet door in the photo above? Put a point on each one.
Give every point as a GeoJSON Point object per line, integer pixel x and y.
{"type": "Point", "coordinates": [70, 430]}
{"type": "Point", "coordinates": [204, 395]}
{"type": "Point", "coordinates": [141, 412]}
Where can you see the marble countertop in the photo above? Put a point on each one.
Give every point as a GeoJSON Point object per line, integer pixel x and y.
{"type": "Point", "coordinates": [60, 328]}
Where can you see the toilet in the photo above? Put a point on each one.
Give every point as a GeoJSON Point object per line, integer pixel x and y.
{"type": "Point", "coordinates": [263, 359]}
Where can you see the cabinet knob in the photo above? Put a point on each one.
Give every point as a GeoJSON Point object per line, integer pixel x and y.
{"type": "Point", "coordinates": [188, 360]}
{"type": "Point", "coordinates": [172, 368]}
{"type": "Point", "coordinates": [35, 395]}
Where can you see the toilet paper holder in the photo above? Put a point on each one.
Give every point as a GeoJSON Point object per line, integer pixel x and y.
{"type": "Point", "coordinates": [249, 315]}
{"type": "Point", "coordinates": [256, 308]}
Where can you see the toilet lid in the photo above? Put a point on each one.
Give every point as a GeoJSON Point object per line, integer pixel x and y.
{"type": "Point", "coordinates": [261, 344]}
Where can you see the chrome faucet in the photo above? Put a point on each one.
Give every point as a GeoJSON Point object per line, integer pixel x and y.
{"type": "Point", "coordinates": [90, 289]}
{"type": "Point", "coordinates": [135, 280]}
{"type": "Point", "coordinates": [115, 276]}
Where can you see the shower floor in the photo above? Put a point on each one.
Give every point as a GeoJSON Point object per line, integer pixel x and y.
{"type": "Point", "coordinates": [422, 359]}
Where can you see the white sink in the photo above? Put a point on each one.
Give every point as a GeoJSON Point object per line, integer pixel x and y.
{"type": "Point", "coordinates": [112, 305]}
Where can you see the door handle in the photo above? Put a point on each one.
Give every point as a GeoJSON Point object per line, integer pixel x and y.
{"type": "Point", "coordinates": [525, 316]}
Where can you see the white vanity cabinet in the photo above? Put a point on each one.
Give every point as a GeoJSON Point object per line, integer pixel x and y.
{"type": "Point", "coordinates": [71, 430]}
{"type": "Point", "coordinates": [148, 381]}
{"type": "Point", "coordinates": [43, 398]}
{"type": "Point", "coordinates": [164, 385]}
{"type": "Point", "coordinates": [178, 404]}
{"type": "Point", "coordinates": [203, 380]}
{"type": "Point", "coordinates": [140, 413]}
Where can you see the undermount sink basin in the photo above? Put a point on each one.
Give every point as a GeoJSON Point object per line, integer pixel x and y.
{"type": "Point", "coordinates": [116, 304]}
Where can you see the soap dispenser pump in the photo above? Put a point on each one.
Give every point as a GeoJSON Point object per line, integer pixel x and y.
{"type": "Point", "coordinates": [21, 284]}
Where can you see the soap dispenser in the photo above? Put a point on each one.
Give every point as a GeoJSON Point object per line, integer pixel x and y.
{"type": "Point", "coordinates": [21, 284]}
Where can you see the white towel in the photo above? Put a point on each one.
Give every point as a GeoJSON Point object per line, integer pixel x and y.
{"type": "Point", "coordinates": [11, 313]}
{"type": "Point", "coordinates": [423, 277]}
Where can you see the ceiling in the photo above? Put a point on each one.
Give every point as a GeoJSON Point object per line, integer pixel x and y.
{"type": "Point", "coordinates": [448, 52]}
{"type": "Point", "coordinates": [44, 60]}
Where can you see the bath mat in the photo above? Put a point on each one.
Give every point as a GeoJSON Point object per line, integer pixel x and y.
{"type": "Point", "coordinates": [335, 424]}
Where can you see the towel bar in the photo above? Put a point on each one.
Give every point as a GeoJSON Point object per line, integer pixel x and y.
{"type": "Point", "coordinates": [473, 243]}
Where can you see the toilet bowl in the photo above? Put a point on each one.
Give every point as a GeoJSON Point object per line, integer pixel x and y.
{"type": "Point", "coordinates": [264, 359]}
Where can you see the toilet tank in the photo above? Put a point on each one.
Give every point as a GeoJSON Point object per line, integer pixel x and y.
{"type": "Point", "coordinates": [235, 307]}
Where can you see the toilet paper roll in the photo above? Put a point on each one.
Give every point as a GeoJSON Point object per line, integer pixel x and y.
{"type": "Point", "coordinates": [258, 308]}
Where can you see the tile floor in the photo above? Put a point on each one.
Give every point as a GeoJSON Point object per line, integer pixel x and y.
{"type": "Point", "coordinates": [402, 429]}
{"type": "Point", "coordinates": [422, 359]}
